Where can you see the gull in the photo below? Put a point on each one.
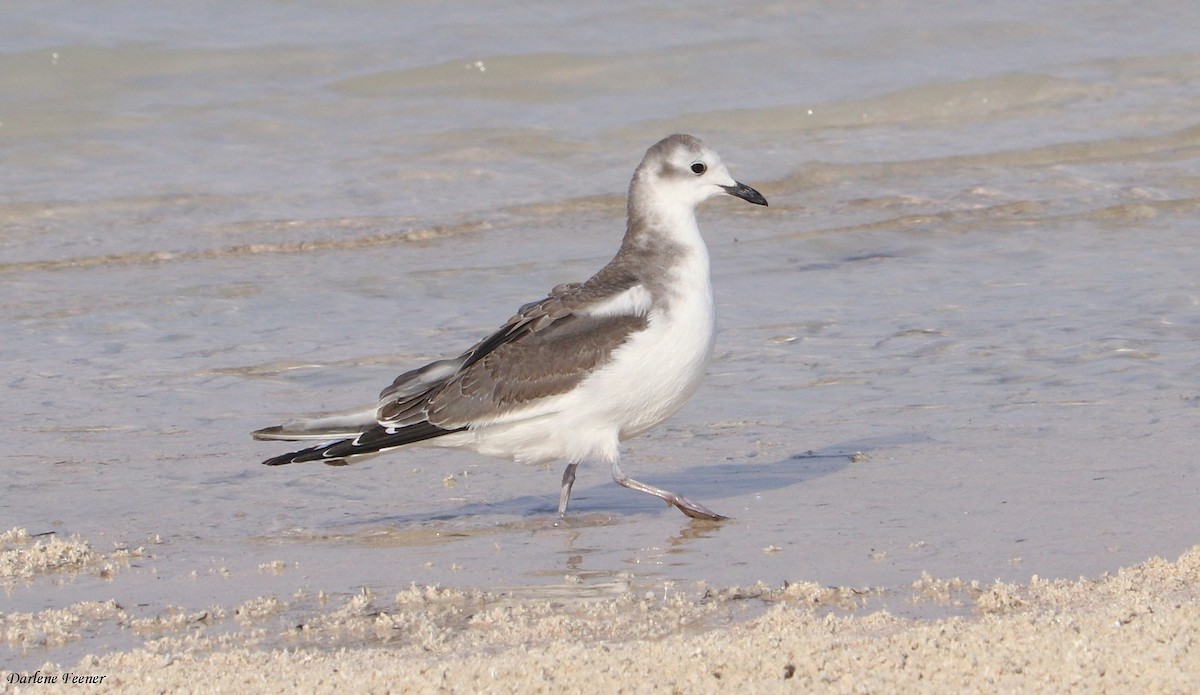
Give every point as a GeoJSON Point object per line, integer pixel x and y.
{"type": "Point", "coordinates": [571, 376]}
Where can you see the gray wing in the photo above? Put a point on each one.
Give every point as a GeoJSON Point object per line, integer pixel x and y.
{"type": "Point", "coordinates": [545, 350]}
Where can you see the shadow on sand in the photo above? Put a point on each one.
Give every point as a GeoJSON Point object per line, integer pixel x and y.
{"type": "Point", "coordinates": [608, 504]}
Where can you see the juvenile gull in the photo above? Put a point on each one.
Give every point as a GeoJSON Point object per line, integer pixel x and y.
{"type": "Point", "coordinates": [571, 376]}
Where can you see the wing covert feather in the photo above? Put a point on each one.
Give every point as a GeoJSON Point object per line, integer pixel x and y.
{"type": "Point", "coordinates": [546, 349]}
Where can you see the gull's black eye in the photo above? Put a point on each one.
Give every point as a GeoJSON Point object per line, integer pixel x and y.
{"type": "Point", "coordinates": [699, 168]}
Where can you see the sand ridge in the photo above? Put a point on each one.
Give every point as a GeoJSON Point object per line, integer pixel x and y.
{"type": "Point", "coordinates": [1133, 630]}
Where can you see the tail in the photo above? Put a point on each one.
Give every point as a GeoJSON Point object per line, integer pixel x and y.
{"type": "Point", "coordinates": [348, 423]}
{"type": "Point", "coordinates": [373, 441]}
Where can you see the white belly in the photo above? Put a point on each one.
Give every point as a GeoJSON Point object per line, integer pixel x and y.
{"type": "Point", "coordinates": [657, 372]}
{"type": "Point", "coordinates": [654, 374]}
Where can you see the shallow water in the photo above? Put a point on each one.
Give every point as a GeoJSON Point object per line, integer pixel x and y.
{"type": "Point", "coordinates": [978, 272]}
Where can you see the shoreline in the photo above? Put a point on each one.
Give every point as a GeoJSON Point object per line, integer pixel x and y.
{"type": "Point", "coordinates": [1130, 628]}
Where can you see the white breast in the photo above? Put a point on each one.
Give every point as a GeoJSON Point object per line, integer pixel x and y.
{"type": "Point", "coordinates": [658, 370]}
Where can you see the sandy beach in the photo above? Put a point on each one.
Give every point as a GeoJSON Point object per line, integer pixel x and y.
{"type": "Point", "coordinates": [1131, 631]}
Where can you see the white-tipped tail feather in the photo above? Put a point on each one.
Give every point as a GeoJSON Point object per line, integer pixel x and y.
{"type": "Point", "coordinates": [348, 423]}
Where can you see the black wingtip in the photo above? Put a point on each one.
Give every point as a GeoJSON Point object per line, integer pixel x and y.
{"type": "Point", "coordinates": [309, 454]}
{"type": "Point", "coordinates": [371, 442]}
{"type": "Point", "coordinates": [303, 456]}
{"type": "Point", "coordinates": [280, 460]}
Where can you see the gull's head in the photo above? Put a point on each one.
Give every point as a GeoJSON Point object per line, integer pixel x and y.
{"type": "Point", "coordinates": [680, 171]}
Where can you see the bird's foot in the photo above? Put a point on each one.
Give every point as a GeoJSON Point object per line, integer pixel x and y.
{"type": "Point", "coordinates": [694, 510]}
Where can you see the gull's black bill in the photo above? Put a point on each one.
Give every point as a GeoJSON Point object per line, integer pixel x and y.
{"type": "Point", "coordinates": [746, 193]}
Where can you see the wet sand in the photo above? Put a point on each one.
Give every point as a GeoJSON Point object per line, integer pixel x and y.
{"type": "Point", "coordinates": [1129, 631]}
